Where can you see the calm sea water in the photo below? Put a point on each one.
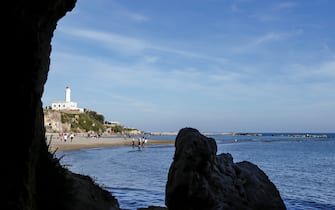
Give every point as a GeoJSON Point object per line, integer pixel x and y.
{"type": "Point", "coordinates": [303, 169]}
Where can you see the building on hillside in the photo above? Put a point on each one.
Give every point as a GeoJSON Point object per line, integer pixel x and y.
{"type": "Point", "coordinates": [111, 123]}
{"type": "Point", "coordinates": [67, 105]}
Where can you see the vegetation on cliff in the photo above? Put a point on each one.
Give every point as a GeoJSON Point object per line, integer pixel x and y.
{"type": "Point", "coordinates": [86, 121]}
{"type": "Point", "coordinates": [81, 122]}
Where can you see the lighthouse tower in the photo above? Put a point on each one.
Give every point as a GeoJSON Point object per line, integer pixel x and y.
{"type": "Point", "coordinates": [67, 94]}
{"type": "Point", "coordinates": [68, 104]}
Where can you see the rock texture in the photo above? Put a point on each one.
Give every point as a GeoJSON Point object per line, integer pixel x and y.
{"type": "Point", "coordinates": [53, 122]}
{"type": "Point", "coordinates": [199, 179]}
{"type": "Point", "coordinates": [32, 178]}
{"type": "Point", "coordinates": [89, 196]}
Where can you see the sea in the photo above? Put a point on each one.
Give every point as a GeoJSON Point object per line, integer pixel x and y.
{"type": "Point", "coordinates": [302, 166]}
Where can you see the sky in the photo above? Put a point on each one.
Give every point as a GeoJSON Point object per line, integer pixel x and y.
{"type": "Point", "coordinates": [214, 65]}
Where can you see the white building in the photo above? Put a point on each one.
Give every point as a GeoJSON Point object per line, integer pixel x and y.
{"type": "Point", "coordinates": [67, 104]}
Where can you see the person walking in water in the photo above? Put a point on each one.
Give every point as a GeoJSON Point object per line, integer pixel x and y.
{"type": "Point", "coordinates": [143, 141]}
{"type": "Point", "coordinates": [139, 142]}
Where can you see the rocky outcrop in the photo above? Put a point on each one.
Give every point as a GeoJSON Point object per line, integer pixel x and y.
{"type": "Point", "coordinates": [199, 179]}
{"type": "Point", "coordinates": [53, 122]}
{"type": "Point", "coordinates": [32, 179]}
{"type": "Point", "coordinates": [87, 195]}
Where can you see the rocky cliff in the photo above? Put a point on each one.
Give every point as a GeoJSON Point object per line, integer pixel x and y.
{"type": "Point", "coordinates": [56, 121]}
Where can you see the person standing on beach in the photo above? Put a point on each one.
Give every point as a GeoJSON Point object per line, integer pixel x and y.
{"type": "Point", "coordinates": [65, 137]}
{"type": "Point", "coordinates": [61, 136]}
{"type": "Point", "coordinates": [71, 136]}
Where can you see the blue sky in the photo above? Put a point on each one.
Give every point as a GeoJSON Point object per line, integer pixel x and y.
{"type": "Point", "coordinates": [215, 65]}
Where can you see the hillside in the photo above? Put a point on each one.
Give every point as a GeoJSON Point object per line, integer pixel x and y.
{"type": "Point", "coordinates": [56, 121]}
{"type": "Point", "coordinates": [73, 121]}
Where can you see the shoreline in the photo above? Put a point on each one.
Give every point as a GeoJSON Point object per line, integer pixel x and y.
{"type": "Point", "coordinates": [81, 142]}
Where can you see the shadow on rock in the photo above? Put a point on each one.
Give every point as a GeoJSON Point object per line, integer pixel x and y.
{"type": "Point", "coordinates": [200, 179]}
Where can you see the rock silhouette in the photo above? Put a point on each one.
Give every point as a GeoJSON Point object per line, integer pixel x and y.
{"type": "Point", "coordinates": [199, 179]}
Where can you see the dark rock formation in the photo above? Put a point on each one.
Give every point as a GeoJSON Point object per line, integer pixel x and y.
{"type": "Point", "coordinates": [32, 177]}
{"type": "Point", "coordinates": [89, 196]}
{"type": "Point", "coordinates": [199, 179]}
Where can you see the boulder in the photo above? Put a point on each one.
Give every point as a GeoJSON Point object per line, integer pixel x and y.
{"type": "Point", "coordinates": [198, 178]}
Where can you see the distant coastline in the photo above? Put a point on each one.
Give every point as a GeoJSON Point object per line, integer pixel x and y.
{"type": "Point", "coordinates": [283, 134]}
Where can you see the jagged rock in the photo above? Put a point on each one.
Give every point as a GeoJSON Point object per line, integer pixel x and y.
{"type": "Point", "coordinates": [200, 179]}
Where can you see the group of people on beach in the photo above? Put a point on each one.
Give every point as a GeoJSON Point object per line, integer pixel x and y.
{"type": "Point", "coordinates": [93, 135]}
{"type": "Point", "coordinates": [141, 141]}
{"type": "Point", "coordinates": [66, 136]}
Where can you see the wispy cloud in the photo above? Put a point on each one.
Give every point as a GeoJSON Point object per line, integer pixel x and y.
{"type": "Point", "coordinates": [258, 41]}
{"type": "Point", "coordinates": [285, 5]}
{"type": "Point", "coordinates": [134, 73]}
{"type": "Point", "coordinates": [236, 5]}
{"type": "Point", "coordinates": [150, 59]}
{"type": "Point", "coordinates": [321, 73]}
{"type": "Point", "coordinates": [111, 74]}
{"type": "Point", "coordinates": [134, 16]}
{"type": "Point", "coordinates": [124, 12]}
{"type": "Point", "coordinates": [262, 40]}
{"type": "Point", "coordinates": [274, 12]}
{"type": "Point", "coordinates": [130, 45]}
{"type": "Point", "coordinates": [107, 40]}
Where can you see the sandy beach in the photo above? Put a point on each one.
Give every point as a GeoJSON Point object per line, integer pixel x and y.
{"type": "Point", "coordinates": [83, 142]}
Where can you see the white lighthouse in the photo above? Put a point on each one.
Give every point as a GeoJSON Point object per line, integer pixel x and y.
{"type": "Point", "coordinates": [67, 94]}
{"type": "Point", "coordinates": [68, 104]}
